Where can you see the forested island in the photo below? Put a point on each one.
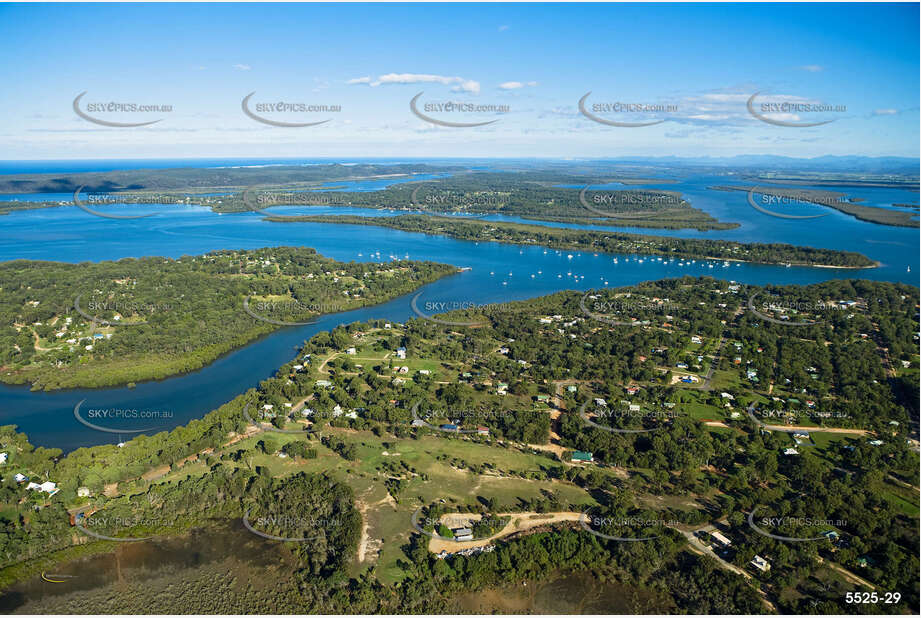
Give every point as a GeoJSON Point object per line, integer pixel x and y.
{"type": "Point", "coordinates": [601, 241]}
{"type": "Point", "coordinates": [832, 199]}
{"type": "Point", "coordinates": [110, 323]}
{"type": "Point", "coordinates": [737, 417]}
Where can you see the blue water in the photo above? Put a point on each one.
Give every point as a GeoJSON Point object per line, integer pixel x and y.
{"type": "Point", "coordinates": [498, 273]}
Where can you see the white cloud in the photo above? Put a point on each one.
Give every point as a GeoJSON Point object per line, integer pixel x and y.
{"type": "Point", "coordinates": [812, 68]}
{"type": "Point", "coordinates": [516, 85]}
{"type": "Point", "coordinates": [459, 83]}
{"type": "Point", "coordinates": [885, 112]}
{"type": "Point", "coordinates": [242, 67]}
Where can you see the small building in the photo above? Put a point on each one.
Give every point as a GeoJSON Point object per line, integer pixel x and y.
{"type": "Point", "coordinates": [20, 477]}
{"type": "Point", "coordinates": [790, 451]}
{"type": "Point", "coordinates": [324, 383]}
{"type": "Point", "coordinates": [403, 369]}
{"type": "Point", "coordinates": [632, 390]}
{"type": "Point", "coordinates": [831, 535]}
{"type": "Point", "coordinates": [463, 534]}
{"type": "Point", "coordinates": [483, 431]}
{"type": "Point", "coordinates": [761, 564]}
{"type": "Point", "coordinates": [720, 538]}
{"type": "Point", "coordinates": [418, 422]}
{"type": "Point", "coordinates": [600, 402]}
{"type": "Point", "coordinates": [543, 398]}
{"type": "Point", "coordinates": [351, 352]}
{"type": "Point", "coordinates": [572, 388]}
{"type": "Point", "coordinates": [449, 427]}
{"type": "Point", "coordinates": [84, 492]}
{"type": "Point", "coordinates": [3, 458]}
{"type": "Point", "coordinates": [401, 353]}
{"type": "Point", "coordinates": [582, 456]}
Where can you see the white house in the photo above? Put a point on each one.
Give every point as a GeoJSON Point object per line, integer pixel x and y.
{"type": "Point", "coordinates": [719, 538]}
{"type": "Point", "coordinates": [3, 458]}
{"type": "Point", "coordinates": [401, 352]}
{"type": "Point", "coordinates": [48, 487]}
{"type": "Point", "coordinates": [351, 351]}
{"type": "Point", "coordinates": [20, 477]}
{"type": "Point", "coordinates": [761, 564]}
{"type": "Point", "coordinates": [83, 492]}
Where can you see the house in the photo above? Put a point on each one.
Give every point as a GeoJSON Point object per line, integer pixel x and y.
{"type": "Point", "coordinates": [3, 458]}
{"type": "Point", "coordinates": [689, 379]}
{"type": "Point", "coordinates": [388, 326]}
{"type": "Point", "coordinates": [582, 456]}
{"type": "Point", "coordinates": [727, 396]}
{"type": "Point", "coordinates": [401, 353]}
{"type": "Point", "coordinates": [307, 412]}
{"type": "Point", "coordinates": [324, 383]}
{"type": "Point", "coordinates": [720, 538]}
{"type": "Point", "coordinates": [337, 411]}
{"type": "Point", "coordinates": [734, 415]}
{"type": "Point", "coordinates": [876, 442]}
{"type": "Point", "coordinates": [351, 414]}
{"type": "Point", "coordinates": [425, 372]}
{"type": "Point", "coordinates": [600, 402]}
{"type": "Point", "coordinates": [543, 398]}
{"type": "Point", "coordinates": [790, 451]}
{"type": "Point", "coordinates": [418, 422]}
{"type": "Point", "coordinates": [501, 388]}
{"type": "Point", "coordinates": [695, 339]}
{"type": "Point", "coordinates": [571, 388]}
{"type": "Point", "coordinates": [449, 427]}
{"type": "Point", "coordinates": [761, 564]}
{"type": "Point", "coordinates": [483, 431]}
{"type": "Point", "coordinates": [463, 534]}
{"type": "Point", "coordinates": [403, 369]}
{"type": "Point", "coordinates": [633, 390]}
{"type": "Point", "coordinates": [831, 535]}
{"type": "Point", "coordinates": [633, 407]}
{"type": "Point", "coordinates": [83, 492]}
{"type": "Point", "coordinates": [351, 352]}
{"type": "Point", "coordinates": [20, 478]}
{"type": "Point", "coordinates": [681, 365]}
{"type": "Point", "coordinates": [48, 487]}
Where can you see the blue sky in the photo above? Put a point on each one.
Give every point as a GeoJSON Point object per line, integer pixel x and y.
{"type": "Point", "coordinates": [702, 62]}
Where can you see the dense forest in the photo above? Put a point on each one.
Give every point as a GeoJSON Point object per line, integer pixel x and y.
{"type": "Point", "coordinates": [725, 474]}
{"type": "Point", "coordinates": [107, 323]}
{"type": "Point", "coordinates": [606, 242]}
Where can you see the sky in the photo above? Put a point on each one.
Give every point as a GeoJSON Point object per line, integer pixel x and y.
{"type": "Point", "coordinates": [523, 66]}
